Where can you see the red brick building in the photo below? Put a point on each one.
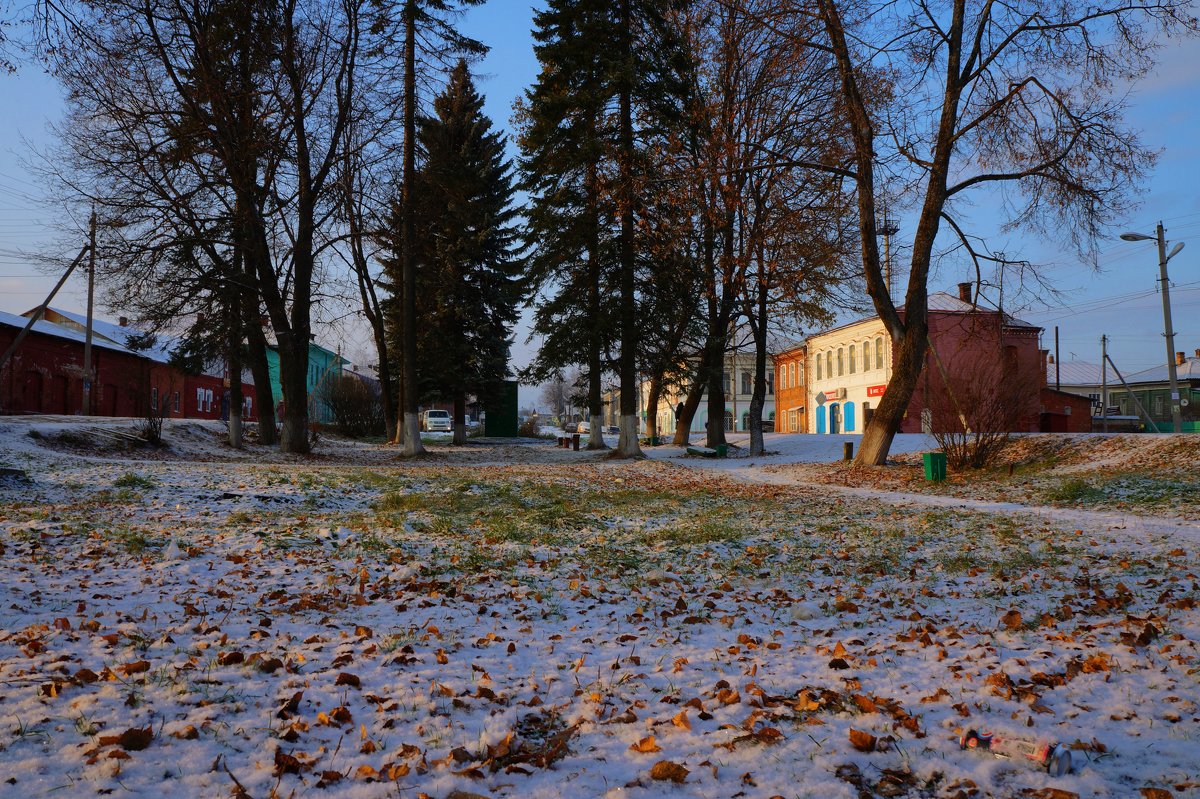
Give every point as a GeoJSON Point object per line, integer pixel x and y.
{"type": "Point", "coordinates": [45, 375]}
{"type": "Point", "coordinates": [982, 365]}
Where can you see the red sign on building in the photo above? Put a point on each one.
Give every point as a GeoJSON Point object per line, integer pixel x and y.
{"type": "Point", "coordinates": [876, 391]}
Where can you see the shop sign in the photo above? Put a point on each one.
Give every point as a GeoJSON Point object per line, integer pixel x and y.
{"type": "Point", "coordinates": [876, 391]}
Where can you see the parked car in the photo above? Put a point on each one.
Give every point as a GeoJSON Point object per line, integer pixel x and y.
{"type": "Point", "coordinates": [436, 421]}
{"type": "Point", "coordinates": [583, 427]}
{"type": "Point", "coordinates": [570, 427]}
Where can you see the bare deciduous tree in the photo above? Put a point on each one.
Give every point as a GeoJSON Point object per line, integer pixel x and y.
{"type": "Point", "coordinates": [944, 99]}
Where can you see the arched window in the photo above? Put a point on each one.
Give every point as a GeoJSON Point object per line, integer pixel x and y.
{"type": "Point", "coordinates": [792, 367]}
{"type": "Point", "coordinates": [841, 362]}
{"type": "Point", "coordinates": [867, 356]}
{"type": "Point", "coordinates": [820, 360]}
{"type": "Point", "coordinates": [829, 364]}
{"type": "Point", "coordinates": [853, 359]}
{"type": "Point", "coordinates": [879, 353]}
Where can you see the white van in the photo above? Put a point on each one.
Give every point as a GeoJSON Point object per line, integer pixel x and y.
{"type": "Point", "coordinates": [434, 421]}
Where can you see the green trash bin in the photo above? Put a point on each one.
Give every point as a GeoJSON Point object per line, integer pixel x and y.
{"type": "Point", "coordinates": [935, 465]}
{"type": "Point", "coordinates": [722, 450]}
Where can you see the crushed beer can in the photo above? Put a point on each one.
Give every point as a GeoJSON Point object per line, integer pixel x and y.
{"type": "Point", "coordinates": [1053, 757]}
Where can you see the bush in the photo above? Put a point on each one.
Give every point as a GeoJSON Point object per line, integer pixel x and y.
{"type": "Point", "coordinates": [531, 427]}
{"type": "Point", "coordinates": [356, 405]}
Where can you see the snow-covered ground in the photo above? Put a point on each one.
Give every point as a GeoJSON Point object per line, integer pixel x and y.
{"type": "Point", "coordinates": [511, 619]}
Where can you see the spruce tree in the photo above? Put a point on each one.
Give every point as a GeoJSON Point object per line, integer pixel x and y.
{"type": "Point", "coordinates": [468, 279]}
{"type": "Point", "coordinates": [603, 94]}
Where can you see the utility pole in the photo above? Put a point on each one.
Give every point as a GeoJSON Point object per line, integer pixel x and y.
{"type": "Point", "coordinates": [1176, 415]}
{"type": "Point", "coordinates": [1104, 383]}
{"type": "Point", "coordinates": [1168, 331]}
{"type": "Point", "coordinates": [87, 340]}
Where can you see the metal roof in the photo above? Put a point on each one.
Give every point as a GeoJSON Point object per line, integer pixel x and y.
{"type": "Point", "coordinates": [1188, 370]}
{"type": "Point", "coordinates": [942, 302]}
{"type": "Point", "coordinates": [1078, 373]}
{"type": "Point", "coordinates": [121, 334]}
{"type": "Point", "coordinates": [60, 331]}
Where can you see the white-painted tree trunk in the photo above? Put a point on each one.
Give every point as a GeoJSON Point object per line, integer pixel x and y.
{"type": "Point", "coordinates": [411, 444]}
{"type": "Point", "coordinates": [596, 435]}
{"type": "Point", "coordinates": [627, 443]}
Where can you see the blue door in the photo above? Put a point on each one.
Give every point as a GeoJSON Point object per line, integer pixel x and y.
{"type": "Point", "coordinates": [835, 419]}
{"type": "Point", "coordinates": [820, 418]}
{"type": "Point", "coordinates": [849, 411]}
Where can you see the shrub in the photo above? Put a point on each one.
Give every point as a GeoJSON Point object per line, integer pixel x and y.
{"type": "Point", "coordinates": [356, 405]}
{"type": "Point", "coordinates": [531, 427]}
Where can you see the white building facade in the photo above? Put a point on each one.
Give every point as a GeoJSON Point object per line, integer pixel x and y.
{"type": "Point", "coordinates": [848, 371]}
{"type": "Point", "coordinates": [738, 380]}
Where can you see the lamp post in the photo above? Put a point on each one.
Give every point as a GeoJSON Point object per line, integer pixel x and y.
{"type": "Point", "coordinates": [1169, 332]}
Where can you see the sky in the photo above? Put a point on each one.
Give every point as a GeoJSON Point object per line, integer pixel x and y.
{"type": "Point", "coordinates": [1120, 300]}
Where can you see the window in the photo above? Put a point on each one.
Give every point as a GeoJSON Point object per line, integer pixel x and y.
{"type": "Point", "coordinates": [841, 362]}
{"type": "Point", "coordinates": [208, 398]}
{"type": "Point", "coordinates": [248, 406]}
{"type": "Point", "coordinates": [866, 356]}
{"type": "Point", "coordinates": [154, 398]}
{"type": "Point", "coordinates": [725, 381]}
{"type": "Point", "coordinates": [792, 367]}
{"type": "Point", "coordinates": [770, 384]}
{"type": "Point", "coordinates": [829, 364]}
{"type": "Point", "coordinates": [819, 370]}
{"type": "Point", "coordinates": [199, 400]}
{"type": "Point", "coordinates": [1158, 404]}
{"type": "Point", "coordinates": [746, 387]}
{"type": "Point", "coordinates": [175, 404]}
{"type": "Point", "coordinates": [853, 358]}
{"type": "Point", "coordinates": [879, 353]}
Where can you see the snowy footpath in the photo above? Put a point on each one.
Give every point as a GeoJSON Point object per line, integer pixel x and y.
{"type": "Point", "coordinates": [512, 620]}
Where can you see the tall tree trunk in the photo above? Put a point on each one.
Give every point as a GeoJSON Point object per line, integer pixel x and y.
{"type": "Point", "coordinates": [652, 400]}
{"type": "Point", "coordinates": [715, 429]}
{"type": "Point", "coordinates": [410, 400]}
{"type": "Point", "coordinates": [261, 370]}
{"type": "Point", "coordinates": [627, 443]}
{"type": "Point", "coordinates": [910, 332]}
{"type": "Point", "coordinates": [683, 420]}
{"type": "Point", "coordinates": [234, 364]}
{"type": "Point", "coordinates": [758, 327]}
{"type": "Point", "coordinates": [595, 365]}
{"type": "Point", "coordinates": [293, 380]}
{"type": "Point", "coordinates": [460, 424]}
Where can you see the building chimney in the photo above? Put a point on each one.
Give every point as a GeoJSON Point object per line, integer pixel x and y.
{"type": "Point", "coordinates": [1180, 359]}
{"type": "Point", "coordinates": [1051, 357]}
{"type": "Point", "coordinates": [964, 292]}
{"type": "Point", "coordinates": [123, 321]}
{"type": "Point", "coordinates": [1198, 353]}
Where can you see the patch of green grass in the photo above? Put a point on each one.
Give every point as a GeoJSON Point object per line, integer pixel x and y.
{"type": "Point", "coordinates": [134, 480]}
{"type": "Point", "coordinates": [1074, 490]}
{"type": "Point", "coordinates": [701, 531]}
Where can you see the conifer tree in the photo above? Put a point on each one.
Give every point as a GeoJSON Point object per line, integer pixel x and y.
{"type": "Point", "coordinates": [604, 93]}
{"type": "Point", "coordinates": [468, 279]}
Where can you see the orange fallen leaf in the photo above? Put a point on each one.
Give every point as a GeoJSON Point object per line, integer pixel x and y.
{"type": "Point", "coordinates": [646, 745]}
{"type": "Point", "coordinates": [666, 770]}
{"type": "Point", "coordinates": [863, 741]}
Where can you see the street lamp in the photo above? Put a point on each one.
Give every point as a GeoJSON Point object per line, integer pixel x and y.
{"type": "Point", "coordinates": [1163, 257]}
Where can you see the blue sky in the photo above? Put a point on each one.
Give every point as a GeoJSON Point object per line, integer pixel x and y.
{"type": "Point", "coordinates": [1120, 300]}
